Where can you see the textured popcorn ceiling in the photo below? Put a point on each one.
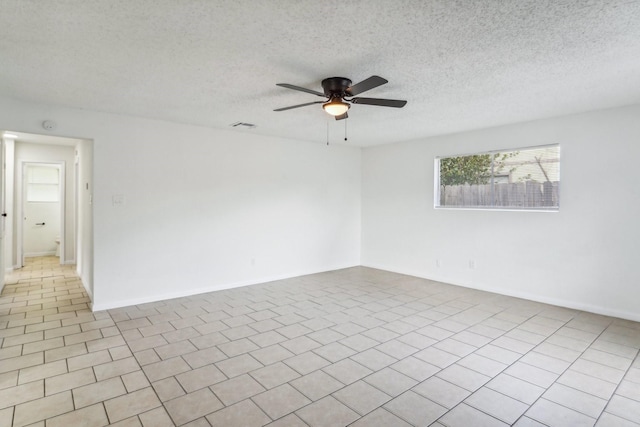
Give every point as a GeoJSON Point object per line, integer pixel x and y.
{"type": "Point", "coordinates": [460, 64]}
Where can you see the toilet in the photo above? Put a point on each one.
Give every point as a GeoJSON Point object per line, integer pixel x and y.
{"type": "Point", "coordinates": [57, 246]}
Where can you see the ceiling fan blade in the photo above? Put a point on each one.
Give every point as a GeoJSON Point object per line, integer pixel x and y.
{"type": "Point", "coordinates": [301, 89]}
{"type": "Point", "coordinates": [397, 103]}
{"type": "Point", "coordinates": [365, 85]}
{"type": "Point", "coordinates": [299, 105]}
{"type": "Point", "coordinates": [342, 116]}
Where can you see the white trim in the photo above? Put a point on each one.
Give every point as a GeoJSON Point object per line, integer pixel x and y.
{"type": "Point", "coordinates": [37, 254]}
{"type": "Point", "coordinates": [437, 188]}
{"type": "Point", "coordinates": [21, 198]}
{"type": "Point", "coordinates": [500, 209]}
{"type": "Point", "coordinates": [621, 314]}
{"type": "Point", "coordinates": [3, 208]}
{"type": "Point", "coordinates": [204, 290]}
{"type": "Point", "coordinates": [528, 147]}
{"type": "Point", "coordinates": [89, 293]}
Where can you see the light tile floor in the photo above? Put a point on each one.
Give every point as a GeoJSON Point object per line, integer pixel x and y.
{"type": "Point", "coordinates": [357, 347]}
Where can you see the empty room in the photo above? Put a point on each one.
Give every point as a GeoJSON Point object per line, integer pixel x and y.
{"type": "Point", "coordinates": [319, 213]}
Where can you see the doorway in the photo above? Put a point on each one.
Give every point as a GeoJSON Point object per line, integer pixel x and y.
{"type": "Point", "coordinates": [34, 167]}
{"type": "Point", "coordinates": [43, 214]}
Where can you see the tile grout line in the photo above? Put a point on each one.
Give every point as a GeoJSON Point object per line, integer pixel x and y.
{"type": "Point", "coordinates": [490, 342]}
{"type": "Point", "coordinates": [143, 373]}
{"type": "Point", "coordinates": [362, 294]}
{"type": "Point", "coordinates": [637, 357]}
{"type": "Point", "coordinates": [556, 380]}
{"type": "Point", "coordinates": [519, 359]}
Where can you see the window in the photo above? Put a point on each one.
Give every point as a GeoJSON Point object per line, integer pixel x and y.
{"type": "Point", "coordinates": [527, 178]}
{"type": "Point", "coordinates": [43, 184]}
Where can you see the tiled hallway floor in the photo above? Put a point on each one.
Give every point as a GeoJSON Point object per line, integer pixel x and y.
{"type": "Point", "coordinates": [358, 347]}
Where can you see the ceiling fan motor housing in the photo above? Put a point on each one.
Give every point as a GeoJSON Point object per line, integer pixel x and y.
{"type": "Point", "coordinates": [336, 86]}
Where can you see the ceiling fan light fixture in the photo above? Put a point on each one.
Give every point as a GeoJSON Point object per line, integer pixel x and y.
{"type": "Point", "coordinates": [336, 107]}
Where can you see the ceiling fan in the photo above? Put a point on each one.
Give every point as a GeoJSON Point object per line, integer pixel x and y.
{"type": "Point", "coordinates": [339, 93]}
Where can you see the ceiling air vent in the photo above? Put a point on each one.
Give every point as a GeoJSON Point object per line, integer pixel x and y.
{"type": "Point", "coordinates": [242, 125]}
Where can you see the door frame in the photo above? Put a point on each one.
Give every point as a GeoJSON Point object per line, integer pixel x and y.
{"type": "Point", "coordinates": [3, 207]}
{"type": "Point", "coordinates": [21, 200]}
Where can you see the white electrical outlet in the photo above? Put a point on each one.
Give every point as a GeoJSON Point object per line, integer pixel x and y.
{"type": "Point", "coordinates": [472, 264]}
{"type": "Point", "coordinates": [438, 263]}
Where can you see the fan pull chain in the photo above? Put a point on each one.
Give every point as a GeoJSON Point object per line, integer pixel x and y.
{"type": "Point", "coordinates": [327, 132]}
{"type": "Point", "coordinates": [345, 129]}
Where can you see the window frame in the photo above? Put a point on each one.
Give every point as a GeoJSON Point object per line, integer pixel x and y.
{"type": "Point", "coordinates": [35, 188]}
{"type": "Point", "coordinates": [438, 188]}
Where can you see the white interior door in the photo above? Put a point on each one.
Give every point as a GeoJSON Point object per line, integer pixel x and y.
{"type": "Point", "coordinates": [42, 209]}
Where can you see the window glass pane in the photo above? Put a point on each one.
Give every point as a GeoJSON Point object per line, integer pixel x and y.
{"type": "Point", "coordinates": [42, 193]}
{"type": "Point", "coordinates": [519, 179]}
{"type": "Point", "coordinates": [43, 184]}
{"type": "Point", "coordinates": [42, 175]}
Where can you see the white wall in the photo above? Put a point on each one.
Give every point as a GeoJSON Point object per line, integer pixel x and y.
{"type": "Point", "coordinates": [205, 209]}
{"type": "Point", "coordinates": [584, 256]}
{"type": "Point", "coordinates": [84, 214]}
{"type": "Point", "coordinates": [28, 152]}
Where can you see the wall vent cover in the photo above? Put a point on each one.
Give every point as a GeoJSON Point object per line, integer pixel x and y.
{"type": "Point", "coordinates": [242, 125]}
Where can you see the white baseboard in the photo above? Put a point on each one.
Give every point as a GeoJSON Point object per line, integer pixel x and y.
{"type": "Point", "coordinates": [204, 290]}
{"type": "Point", "coordinates": [36, 254]}
{"type": "Point", "coordinates": [524, 295]}
{"type": "Point", "coordinates": [89, 293]}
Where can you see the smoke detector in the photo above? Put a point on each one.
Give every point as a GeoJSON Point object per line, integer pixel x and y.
{"type": "Point", "coordinates": [49, 124]}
